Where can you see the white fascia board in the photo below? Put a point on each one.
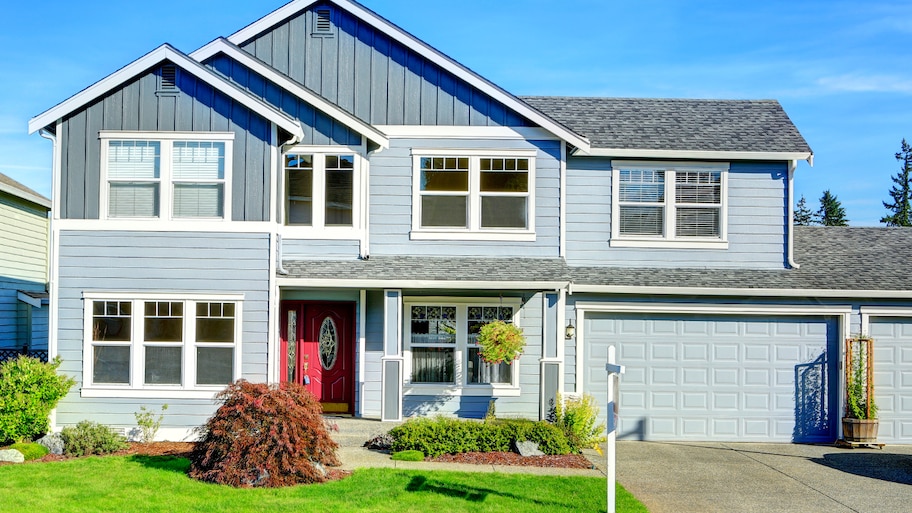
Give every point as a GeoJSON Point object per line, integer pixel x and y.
{"type": "Point", "coordinates": [883, 311]}
{"type": "Point", "coordinates": [517, 133]}
{"type": "Point", "coordinates": [706, 291]}
{"type": "Point", "coordinates": [714, 308]}
{"type": "Point", "coordinates": [426, 51]}
{"type": "Point", "coordinates": [25, 195]}
{"type": "Point", "coordinates": [420, 284]}
{"type": "Point", "coordinates": [222, 45]}
{"type": "Point", "coordinates": [164, 53]}
{"type": "Point", "coordinates": [695, 154]}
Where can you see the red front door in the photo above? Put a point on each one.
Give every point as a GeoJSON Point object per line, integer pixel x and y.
{"type": "Point", "coordinates": [318, 351]}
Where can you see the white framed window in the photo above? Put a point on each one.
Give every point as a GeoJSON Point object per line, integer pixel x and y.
{"type": "Point", "coordinates": [666, 204]}
{"type": "Point", "coordinates": [161, 343]}
{"type": "Point", "coordinates": [473, 194]}
{"type": "Point", "coordinates": [441, 349]}
{"type": "Point", "coordinates": [166, 175]}
{"type": "Point", "coordinates": [322, 190]}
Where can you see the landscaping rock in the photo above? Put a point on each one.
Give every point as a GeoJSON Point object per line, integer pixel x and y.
{"type": "Point", "coordinates": [527, 449]}
{"type": "Point", "coordinates": [53, 442]}
{"type": "Point", "coordinates": [11, 456]}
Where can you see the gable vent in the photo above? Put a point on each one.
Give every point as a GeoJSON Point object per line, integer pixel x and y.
{"type": "Point", "coordinates": [323, 23]}
{"type": "Point", "coordinates": [168, 79]}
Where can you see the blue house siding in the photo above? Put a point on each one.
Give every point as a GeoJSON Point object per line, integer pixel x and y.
{"type": "Point", "coordinates": [296, 249]}
{"type": "Point", "coordinates": [373, 77]}
{"type": "Point", "coordinates": [136, 106]}
{"type": "Point", "coordinates": [391, 202]}
{"type": "Point", "coordinates": [757, 209]}
{"type": "Point", "coordinates": [161, 262]}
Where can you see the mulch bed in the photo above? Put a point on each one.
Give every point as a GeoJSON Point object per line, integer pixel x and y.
{"type": "Point", "coordinates": [513, 459]}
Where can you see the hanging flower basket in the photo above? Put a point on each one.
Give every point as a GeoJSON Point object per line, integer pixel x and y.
{"type": "Point", "coordinates": [500, 341]}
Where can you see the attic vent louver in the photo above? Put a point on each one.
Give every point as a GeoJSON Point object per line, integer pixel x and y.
{"type": "Point", "coordinates": [323, 20]}
{"type": "Point", "coordinates": [168, 81]}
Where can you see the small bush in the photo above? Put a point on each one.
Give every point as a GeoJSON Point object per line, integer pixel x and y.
{"type": "Point", "coordinates": [29, 390]}
{"type": "Point", "coordinates": [408, 456]}
{"type": "Point", "coordinates": [441, 435]}
{"type": "Point", "coordinates": [31, 451]}
{"type": "Point", "coordinates": [149, 422]}
{"type": "Point", "coordinates": [264, 435]}
{"type": "Point", "coordinates": [577, 418]}
{"type": "Point", "coordinates": [91, 438]}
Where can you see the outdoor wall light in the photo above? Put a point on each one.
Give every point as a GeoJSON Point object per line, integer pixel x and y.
{"type": "Point", "coordinates": [570, 330]}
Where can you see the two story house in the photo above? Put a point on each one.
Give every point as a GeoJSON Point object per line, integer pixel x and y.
{"type": "Point", "coordinates": [323, 198]}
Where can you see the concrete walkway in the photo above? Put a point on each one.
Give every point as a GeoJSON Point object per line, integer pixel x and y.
{"type": "Point", "coordinates": [751, 477]}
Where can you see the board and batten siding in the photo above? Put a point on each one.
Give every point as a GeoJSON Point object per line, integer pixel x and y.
{"type": "Point", "coordinates": [159, 262]}
{"type": "Point", "coordinates": [135, 106]}
{"type": "Point", "coordinates": [391, 198]}
{"type": "Point", "coordinates": [757, 206]}
{"type": "Point", "coordinates": [373, 77]}
{"type": "Point", "coordinates": [23, 262]}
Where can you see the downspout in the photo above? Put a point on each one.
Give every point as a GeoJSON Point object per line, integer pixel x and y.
{"type": "Point", "coordinates": [790, 251]}
{"type": "Point", "coordinates": [280, 266]}
{"type": "Point", "coordinates": [52, 267]}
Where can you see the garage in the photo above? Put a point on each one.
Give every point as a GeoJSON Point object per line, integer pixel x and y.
{"type": "Point", "coordinates": [708, 376]}
{"type": "Point", "coordinates": [893, 377]}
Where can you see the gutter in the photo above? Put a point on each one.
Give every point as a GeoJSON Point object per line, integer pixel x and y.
{"type": "Point", "coordinates": [790, 244]}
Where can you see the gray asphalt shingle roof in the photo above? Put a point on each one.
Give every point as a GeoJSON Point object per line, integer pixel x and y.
{"type": "Point", "coordinates": [676, 124]}
{"type": "Point", "coordinates": [831, 258]}
{"type": "Point", "coordinates": [21, 191]}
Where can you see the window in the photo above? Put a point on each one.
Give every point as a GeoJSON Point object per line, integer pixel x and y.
{"type": "Point", "coordinates": [472, 195]}
{"type": "Point", "coordinates": [678, 205]}
{"type": "Point", "coordinates": [166, 176]}
{"type": "Point", "coordinates": [320, 190]}
{"type": "Point", "coordinates": [162, 343]}
{"type": "Point", "coordinates": [442, 343]}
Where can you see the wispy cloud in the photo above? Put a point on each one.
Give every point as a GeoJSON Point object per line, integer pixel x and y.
{"type": "Point", "coordinates": [861, 83]}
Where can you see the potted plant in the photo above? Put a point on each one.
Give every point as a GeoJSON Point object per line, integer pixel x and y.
{"type": "Point", "coordinates": [859, 425]}
{"type": "Point", "coordinates": [500, 341]}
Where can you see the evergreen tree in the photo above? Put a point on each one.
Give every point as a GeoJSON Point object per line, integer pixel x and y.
{"type": "Point", "coordinates": [901, 192]}
{"type": "Point", "coordinates": [831, 212]}
{"type": "Point", "coordinates": [803, 215]}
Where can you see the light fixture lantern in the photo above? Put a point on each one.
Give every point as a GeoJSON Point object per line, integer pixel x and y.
{"type": "Point", "coordinates": [570, 330]}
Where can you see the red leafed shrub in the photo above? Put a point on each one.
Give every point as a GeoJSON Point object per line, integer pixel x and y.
{"type": "Point", "coordinates": [264, 435]}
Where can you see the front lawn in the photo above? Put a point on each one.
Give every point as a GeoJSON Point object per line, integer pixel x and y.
{"type": "Point", "coordinates": [159, 483]}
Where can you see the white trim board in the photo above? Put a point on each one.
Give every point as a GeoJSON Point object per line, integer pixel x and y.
{"type": "Point", "coordinates": [697, 154]}
{"type": "Point", "coordinates": [165, 53]}
{"type": "Point", "coordinates": [424, 50]}
{"type": "Point", "coordinates": [222, 45]}
{"type": "Point", "coordinates": [467, 132]}
{"type": "Point", "coordinates": [419, 284]}
{"type": "Point", "coordinates": [734, 291]}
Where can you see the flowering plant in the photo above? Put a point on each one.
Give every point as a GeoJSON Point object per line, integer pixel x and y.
{"type": "Point", "coordinates": [500, 341]}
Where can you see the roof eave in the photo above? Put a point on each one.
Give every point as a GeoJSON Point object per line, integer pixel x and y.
{"type": "Point", "coordinates": [700, 154]}
{"type": "Point", "coordinates": [25, 195]}
{"type": "Point", "coordinates": [741, 291]}
{"type": "Point", "coordinates": [421, 284]}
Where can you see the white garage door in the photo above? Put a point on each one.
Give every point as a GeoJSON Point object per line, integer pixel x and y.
{"type": "Point", "coordinates": [719, 377]}
{"type": "Point", "coordinates": [893, 378]}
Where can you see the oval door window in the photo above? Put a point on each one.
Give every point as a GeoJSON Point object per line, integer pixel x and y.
{"type": "Point", "coordinates": [329, 343]}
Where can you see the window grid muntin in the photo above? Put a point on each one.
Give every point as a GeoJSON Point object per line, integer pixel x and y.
{"type": "Point", "coordinates": [324, 169]}
{"type": "Point", "coordinates": [437, 324]}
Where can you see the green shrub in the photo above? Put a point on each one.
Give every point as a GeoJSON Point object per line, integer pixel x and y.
{"type": "Point", "coordinates": [577, 418]}
{"type": "Point", "coordinates": [408, 456]}
{"type": "Point", "coordinates": [149, 422]}
{"type": "Point", "coordinates": [31, 450]}
{"type": "Point", "coordinates": [441, 435]}
{"type": "Point", "coordinates": [91, 438]}
{"type": "Point", "coordinates": [29, 390]}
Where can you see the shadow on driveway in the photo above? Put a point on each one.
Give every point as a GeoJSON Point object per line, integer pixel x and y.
{"type": "Point", "coordinates": [895, 468]}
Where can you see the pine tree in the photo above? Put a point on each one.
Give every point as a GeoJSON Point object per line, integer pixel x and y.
{"type": "Point", "coordinates": [831, 212]}
{"type": "Point", "coordinates": [803, 215]}
{"type": "Point", "coordinates": [901, 192]}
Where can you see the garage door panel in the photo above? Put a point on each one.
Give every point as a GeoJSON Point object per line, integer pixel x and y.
{"type": "Point", "coordinates": [893, 377]}
{"type": "Point", "coordinates": [715, 377]}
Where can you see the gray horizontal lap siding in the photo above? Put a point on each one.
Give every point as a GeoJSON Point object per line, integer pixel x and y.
{"type": "Point", "coordinates": [136, 106]}
{"type": "Point", "coordinates": [161, 262]}
{"type": "Point", "coordinates": [391, 199]}
{"type": "Point", "coordinates": [373, 77]}
{"type": "Point", "coordinates": [756, 220]}
{"type": "Point", "coordinates": [319, 129]}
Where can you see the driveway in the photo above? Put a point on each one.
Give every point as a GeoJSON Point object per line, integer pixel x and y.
{"type": "Point", "coordinates": [752, 477]}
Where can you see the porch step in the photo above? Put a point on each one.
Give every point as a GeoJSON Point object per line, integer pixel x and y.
{"type": "Point", "coordinates": [353, 432]}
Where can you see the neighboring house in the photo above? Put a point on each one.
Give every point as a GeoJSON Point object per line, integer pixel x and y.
{"type": "Point", "coordinates": [323, 198]}
{"type": "Point", "coordinates": [23, 267]}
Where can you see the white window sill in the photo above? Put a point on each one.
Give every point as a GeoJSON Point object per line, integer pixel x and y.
{"type": "Point", "coordinates": [497, 235]}
{"type": "Point", "coordinates": [467, 390]}
{"type": "Point", "coordinates": [668, 243]}
{"type": "Point", "coordinates": [309, 232]}
{"type": "Point", "coordinates": [150, 393]}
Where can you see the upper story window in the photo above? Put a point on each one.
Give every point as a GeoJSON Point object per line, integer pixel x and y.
{"type": "Point", "coordinates": [166, 175]}
{"type": "Point", "coordinates": [474, 195]}
{"type": "Point", "coordinates": [321, 190]}
{"type": "Point", "coordinates": [668, 204]}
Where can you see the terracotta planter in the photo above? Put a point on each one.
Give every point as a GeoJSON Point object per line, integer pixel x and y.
{"type": "Point", "coordinates": [860, 430]}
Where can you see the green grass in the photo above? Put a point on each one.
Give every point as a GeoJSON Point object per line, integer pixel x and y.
{"type": "Point", "coordinates": [160, 483]}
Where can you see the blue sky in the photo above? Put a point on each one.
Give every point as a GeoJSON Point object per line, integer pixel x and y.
{"type": "Point", "coordinates": [841, 69]}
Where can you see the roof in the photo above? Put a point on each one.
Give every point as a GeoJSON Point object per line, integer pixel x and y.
{"type": "Point", "coordinates": [143, 64]}
{"type": "Point", "coordinates": [10, 186]}
{"type": "Point", "coordinates": [650, 128]}
{"type": "Point", "coordinates": [834, 261]}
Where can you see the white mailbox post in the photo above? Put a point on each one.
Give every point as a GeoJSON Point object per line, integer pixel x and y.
{"type": "Point", "coordinates": [614, 372]}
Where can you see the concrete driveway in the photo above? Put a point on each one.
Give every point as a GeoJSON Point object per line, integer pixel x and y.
{"type": "Point", "coordinates": [752, 477]}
